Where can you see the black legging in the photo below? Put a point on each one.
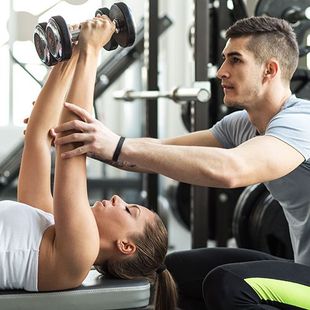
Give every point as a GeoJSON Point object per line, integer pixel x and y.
{"type": "Point", "coordinates": [218, 276]}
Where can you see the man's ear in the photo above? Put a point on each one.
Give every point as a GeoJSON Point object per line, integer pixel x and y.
{"type": "Point", "coordinates": [272, 68]}
{"type": "Point", "coordinates": [126, 247]}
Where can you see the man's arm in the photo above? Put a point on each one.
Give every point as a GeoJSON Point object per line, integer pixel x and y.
{"type": "Point", "coordinates": [258, 160]}
{"type": "Point", "coordinates": [94, 136]}
{"type": "Point", "coordinates": [196, 158]}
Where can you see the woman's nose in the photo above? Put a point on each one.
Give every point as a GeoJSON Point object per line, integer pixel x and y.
{"type": "Point", "coordinates": [115, 200]}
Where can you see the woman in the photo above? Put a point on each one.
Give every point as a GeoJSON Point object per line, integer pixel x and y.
{"type": "Point", "coordinates": [51, 242]}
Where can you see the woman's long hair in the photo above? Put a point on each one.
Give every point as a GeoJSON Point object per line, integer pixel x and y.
{"type": "Point", "coordinates": [147, 262]}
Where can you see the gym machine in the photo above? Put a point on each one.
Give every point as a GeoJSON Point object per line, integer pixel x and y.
{"type": "Point", "coordinates": [211, 19]}
{"type": "Point", "coordinates": [9, 166]}
{"type": "Point", "coordinates": [121, 59]}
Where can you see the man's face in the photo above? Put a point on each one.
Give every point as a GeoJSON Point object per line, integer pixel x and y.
{"type": "Point", "coordinates": [241, 76]}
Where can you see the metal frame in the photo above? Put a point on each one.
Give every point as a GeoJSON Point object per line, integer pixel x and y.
{"type": "Point", "coordinates": [110, 70]}
{"type": "Point", "coordinates": [200, 195]}
{"type": "Point", "coordinates": [151, 83]}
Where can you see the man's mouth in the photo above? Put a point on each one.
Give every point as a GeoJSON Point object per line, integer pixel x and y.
{"type": "Point", "coordinates": [227, 87]}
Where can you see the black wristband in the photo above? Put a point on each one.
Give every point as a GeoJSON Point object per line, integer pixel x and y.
{"type": "Point", "coordinates": [118, 149]}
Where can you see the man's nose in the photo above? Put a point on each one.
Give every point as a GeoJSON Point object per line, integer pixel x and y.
{"type": "Point", "coordinates": [222, 72]}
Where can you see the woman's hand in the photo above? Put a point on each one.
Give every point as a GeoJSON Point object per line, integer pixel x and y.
{"type": "Point", "coordinates": [96, 33]}
{"type": "Point", "coordinates": [97, 140]}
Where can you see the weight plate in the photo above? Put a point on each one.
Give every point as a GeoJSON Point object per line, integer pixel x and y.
{"type": "Point", "coordinates": [59, 38]}
{"type": "Point", "coordinates": [240, 222]}
{"type": "Point", "coordinates": [122, 15]}
{"type": "Point", "coordinates": [112, 44]}
{"type": "Point", "coordinates": [102, 11]}
{"type": "Point", "coordinates": [269, 229]}
{"type": "Point", "coordinates": [40, 43]}
{"type": "Point", "coordinates": [281, 8]}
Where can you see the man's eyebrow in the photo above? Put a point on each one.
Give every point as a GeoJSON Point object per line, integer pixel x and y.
{"type": "Point", "coordinates": [231, 54]}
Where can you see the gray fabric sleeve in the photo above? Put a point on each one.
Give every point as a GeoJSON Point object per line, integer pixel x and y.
{"type": "Point", "coordinates": [293, 128]}
{"type": "Point", "coordinates": [233, 129]}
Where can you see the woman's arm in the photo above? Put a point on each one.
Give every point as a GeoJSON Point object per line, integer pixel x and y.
{"type": "Point", "coordinates": [77, 237]}
{"type": "Point", "coordinates": [34, 186]}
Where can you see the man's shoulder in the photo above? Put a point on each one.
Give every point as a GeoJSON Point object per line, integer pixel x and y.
{"type": "Point", "coordinates": [296, 102]}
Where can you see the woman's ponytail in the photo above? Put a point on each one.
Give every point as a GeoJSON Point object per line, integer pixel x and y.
{"type": "Point", "coordinates": [165, 290]}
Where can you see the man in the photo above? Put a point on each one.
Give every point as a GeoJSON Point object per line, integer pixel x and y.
{"type": "Point", "coordinates": [267, 141]}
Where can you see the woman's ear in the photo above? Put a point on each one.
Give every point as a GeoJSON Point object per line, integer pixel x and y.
{"type": "Point", "coordinates": [126, 247]}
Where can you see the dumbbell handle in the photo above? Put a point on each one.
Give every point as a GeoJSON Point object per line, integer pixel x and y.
{"type": "Point", "coordinates": [75, 33]}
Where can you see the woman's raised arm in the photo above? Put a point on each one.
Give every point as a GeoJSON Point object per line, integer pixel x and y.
{"type": "Point", "coordinates": [77, 237]}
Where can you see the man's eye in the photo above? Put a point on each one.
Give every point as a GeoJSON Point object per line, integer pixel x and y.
{"type": "Point", "coordinates": [235, 60]}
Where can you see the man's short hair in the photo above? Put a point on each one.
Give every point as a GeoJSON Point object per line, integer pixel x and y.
{"type": "Point", "coordinates": [269, 37]}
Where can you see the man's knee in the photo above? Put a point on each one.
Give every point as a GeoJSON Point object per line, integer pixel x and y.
{"type": "Point", "coordinates": [224, 289]}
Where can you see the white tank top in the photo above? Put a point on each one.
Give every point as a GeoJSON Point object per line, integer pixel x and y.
{"type": "Point", "coordinates": [21, 231]}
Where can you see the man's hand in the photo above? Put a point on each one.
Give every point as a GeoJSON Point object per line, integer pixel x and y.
{"type": "Point", "coordinates": [98, 141]}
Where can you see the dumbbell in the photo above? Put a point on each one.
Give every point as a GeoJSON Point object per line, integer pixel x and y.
{"type": "Point", "coordinates": [40, 44]}
{"type": "Point", "coordinates": [60, 38]}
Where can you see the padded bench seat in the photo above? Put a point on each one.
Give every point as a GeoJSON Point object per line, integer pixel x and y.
{"type": "Point", "coordinates": [96, 293]}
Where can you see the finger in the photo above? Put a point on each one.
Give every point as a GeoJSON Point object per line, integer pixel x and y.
{"type": "Point", "coordinates": [74, 27]}
{"type": "Point", "coordinates": [74, 125]}
{"type": "Point", "coordinates": [75, 137]}
{"type": "Point", "coordinates": [76, 152]}
{"type": "Point", "coordinates": [83, 114]}
{"type": "Point", "coordinates": [52, 132]}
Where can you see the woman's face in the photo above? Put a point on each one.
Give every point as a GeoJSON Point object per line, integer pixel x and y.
{"type": "Point", "coordinates": [117, 219]}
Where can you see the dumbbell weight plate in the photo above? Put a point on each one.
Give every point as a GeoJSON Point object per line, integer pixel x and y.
{"type": "Point", "coordinates": [40, 43]}
{"type": "Point", "coordinates": [121, 13]}
{"type": "Point", "coordinates": [112, 44]}
{"type": "Point", "coordinates": [59, 38]}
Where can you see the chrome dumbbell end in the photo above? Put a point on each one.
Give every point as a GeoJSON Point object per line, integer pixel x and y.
{"type": "Point", "coordinates": [41, 46]}
{"type": "Point", "coordinates": [59, 38]}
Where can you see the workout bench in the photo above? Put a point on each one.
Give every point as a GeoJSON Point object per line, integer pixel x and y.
{"type": "Point", "coordinates": [96, 292]}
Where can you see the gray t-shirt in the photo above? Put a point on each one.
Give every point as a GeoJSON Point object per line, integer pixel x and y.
{"type": "Point", "coordinates": [291, 125]}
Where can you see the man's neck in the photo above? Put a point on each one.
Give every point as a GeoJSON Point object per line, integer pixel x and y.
{"type": "Point", "coordinates": [266, 108]}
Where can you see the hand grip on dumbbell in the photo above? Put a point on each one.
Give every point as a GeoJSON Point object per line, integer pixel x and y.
{"type": "Point", "coordinates": [59, 37]}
